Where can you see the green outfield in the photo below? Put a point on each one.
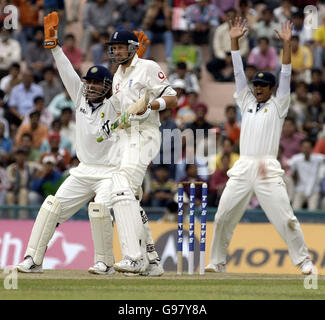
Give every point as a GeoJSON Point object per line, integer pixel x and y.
{"type": "Point", "coordinates": [77, 284]}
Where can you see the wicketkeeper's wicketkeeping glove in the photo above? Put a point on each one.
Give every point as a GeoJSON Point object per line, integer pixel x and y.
{"type": "Point", "coordinates": [143, 42]}
{"type": "Point", "coordinates": [51, 23]}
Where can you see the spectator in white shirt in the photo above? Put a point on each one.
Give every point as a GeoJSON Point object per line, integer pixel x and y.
{"type": "Point", "coordinates": [306, 166]}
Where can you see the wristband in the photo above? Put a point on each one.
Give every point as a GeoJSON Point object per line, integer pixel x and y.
{"type": "Point", "coordinates": [162, 104]}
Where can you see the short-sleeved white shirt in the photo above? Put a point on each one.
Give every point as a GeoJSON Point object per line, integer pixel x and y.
{"type": "Point", "coordinates": [140, 76]}
{"type": "Point", "coordinates": [261, 130]}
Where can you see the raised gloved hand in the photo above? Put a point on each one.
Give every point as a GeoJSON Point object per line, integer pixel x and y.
{"type": "Point", "coordinates": [51, 23]}
{"type": "Point", "coordinates": [105, 131]}
{"type": "Point", "coordinates": [143, 42]}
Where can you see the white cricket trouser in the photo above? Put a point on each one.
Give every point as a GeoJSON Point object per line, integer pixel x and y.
{"type": "Point", "coordinates": [138, 146]}
{"type": "Point", "coordinates": [273, 198]}
{"type": "Point", "coordinates": [79, 188]}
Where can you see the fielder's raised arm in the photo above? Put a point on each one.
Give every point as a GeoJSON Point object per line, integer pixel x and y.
{"type": "Point", "coordinates": [237, 30]}
{"type": "Point", "coordinates": [285, 74]}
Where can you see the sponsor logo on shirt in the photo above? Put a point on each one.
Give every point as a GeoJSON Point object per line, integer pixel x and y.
{"type": "Point", "coordinates": [130, 83]}
{"type": "Point", "coordinates": [161, 75]}
{"type": "Point", "coordinates": [117, 87]}
{"type": "Point", "coordinates": [83, 110]}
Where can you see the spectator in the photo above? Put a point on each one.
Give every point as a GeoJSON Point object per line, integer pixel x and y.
{"type": "Point", "coordinates": [163, 188]}
{"type": "Point", "coordinates": [218, 181]}
{"type": "Point", "coordinates": [157, 25]}
{"type": "Point", "coordinates": [20, 174]}
{"type": "Point", "coordinates": [4, 186]}
{"type": "Point", "coordinates": [317, 82]}
{"type": "Point", "coordinates": [166, 154]}
{"type": "Point", "coordinates": [65, 143]}
{"type": "Point", "coordinates": [319, 37]}
{"type": "Point", "coordinates": [246, 11]}
{"type": "Point", "coordinates": [11, 80]}
{"type": "Point", "coordinates": [46, 183]}
{"type": "Point", "coordinates": [221, 46]}
{"type": "Point", "coordinates": [306, 165]}
{"type": "Point", "coordinates": [188, 53]}
{"type": "Point", "coordinates": [191, 80]}
{"type": "Point", "coordinates": [26, 143]}
{"type": "Point", "coordinates": [68, 128]}
{"type": "Point", "coordinates": [202, 19]}
{"type": "Point", "coordinates": [250, 72]}
{"type": "Point", "coordinates": [37, 130]}
{"type": "Point", "coordinates": [301, 60]}
{"type": "Point", "coordinates": [290, 138]}
{"type": "Point", "coordinates": [73, 53]}
{"type": "Point", "coordinates": [185, 115]}
{"type": "Point", "coordinates": [265, 28]}
{"type": "Point", "coordinates": [3, 114]}
{"type": "Point", "coordinates": [299, 29]}
{"type": "Point", "coordinates": [131, 15]}
{"type": "Point", "coordinates": [300, 100]}
{"type": "Point", "coordinates": [284, 11]}
{"type": "Point", "coordinates": [60, 102]}
{"type": "Point", "coordinates": [264, 56]}
{"type": "Point", "coordinates": [313, 124]}
{"type": "Point", "coordinates": [224, 72]}
{"type": "Point", "coordinates": [179, 86]}
{"type": "Point", "coordinates": [200, 122]}
{"type": "Point", "coordinates": [98, 17]}
{"type": "Point", "coordinates": [10, 51]}
{"type": "Point", "coordinates": [36, 57]}
{"type": "Point", "coordinates": [51, 85]}
{"type": "Point", "coordinates": [22, 96]}
{"type": "Point", "coordinates": [62, 156]}
{"type": "Point", "coordinates": [46, 115]}
{"type": "Point", "coordinates": [29, 13]}
{"type": "Point", "coordinates": [98, 51]}
{"type": "Point", "coordinates": [231, 128]}
{"type": "Point", "coordinates": [215, 162]}
{"type": "Point", "coordinates": [5, 143]}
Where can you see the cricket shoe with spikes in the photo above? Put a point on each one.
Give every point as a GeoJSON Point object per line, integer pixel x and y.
{"type": "Point", "coordinates": [28, 266]}
{"type": "Point", "coordinates": [220, 267]}
{"type": "Point", "coordinates": [154, 269]}
{"type": "Point", "coordinates": [101, 268]}
{"type": "Point", "coordinates": [128, 265]}
{"type": "Point", "coordinates": [307, 267]}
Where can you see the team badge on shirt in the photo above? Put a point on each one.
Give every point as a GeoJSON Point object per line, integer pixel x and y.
{"type": "Point", "coordinates": [102, 115]}
{"type": "Point", "coordinates": [265, 110]}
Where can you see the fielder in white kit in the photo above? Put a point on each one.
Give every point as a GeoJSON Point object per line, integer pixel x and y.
{"type": "Point", "coordinates": [92, 178]}
{"type": "Point", "coordinates": [257, 170]}
{"type": "Point", "coordinates": [140, 142]}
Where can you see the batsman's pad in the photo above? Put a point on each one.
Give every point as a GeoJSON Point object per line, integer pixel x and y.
{"type": "Point", "coordinates": [43, 229]}
{"type": "Point", "coordinates": [128, 220]}
{"type": "Point", "coordinates": [102, 232]}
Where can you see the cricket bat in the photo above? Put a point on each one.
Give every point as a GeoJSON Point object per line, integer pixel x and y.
{"type": "Point", "coordinates": [123, 120]}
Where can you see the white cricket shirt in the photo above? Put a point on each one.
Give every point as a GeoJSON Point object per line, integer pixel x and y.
{"type": "Point", "coordinates": [261, 130]}
{"type": "Point", "coordinates": [88, 121]}
{"type": "Point", "coordinates": [140, 76]}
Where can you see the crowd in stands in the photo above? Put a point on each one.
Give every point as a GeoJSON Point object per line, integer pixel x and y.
{"type": "Point", "coordinates": [37, 128]}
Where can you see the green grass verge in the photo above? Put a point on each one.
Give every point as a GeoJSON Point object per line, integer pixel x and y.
{"type": "Point", "coordinates": [76, 284]}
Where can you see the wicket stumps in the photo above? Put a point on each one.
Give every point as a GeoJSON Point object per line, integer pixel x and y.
{"type": "Point", "coordinates": [191, 227]}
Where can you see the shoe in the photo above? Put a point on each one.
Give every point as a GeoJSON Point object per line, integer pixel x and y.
{"type": "Point", "coordinates": [306, 267]}
{"type": "Point", "coordinates": [129, 266]}
{"type": "Point", "coordinates": [28, 266]}
{"type": "Point", "coordinates": [220, 267]}
{"type": "Point", "coordinates": [154, 269]}
{"type": "Point", "coordinates": [101, 268]}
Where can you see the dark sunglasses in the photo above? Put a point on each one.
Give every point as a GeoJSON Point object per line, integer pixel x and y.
{"type": "Point", "coordinates": [260, 84]}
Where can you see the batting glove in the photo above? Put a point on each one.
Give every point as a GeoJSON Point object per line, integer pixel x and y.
{"type": "Point", "coordinates": [105, 130]}
{"type": "Point", "coordinates": [142, 116]}
{"type": "Point", "coordinates": [51, 22]}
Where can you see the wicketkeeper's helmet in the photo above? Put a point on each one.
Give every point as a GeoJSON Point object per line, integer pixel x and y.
{"type": "Point", "coordinates": [123, 37]}
{"type": "Point", "coordinates": [100, 73]}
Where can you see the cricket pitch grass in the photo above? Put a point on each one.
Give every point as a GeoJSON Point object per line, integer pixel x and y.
{"type": "Point", "coordinates": [80, 285]}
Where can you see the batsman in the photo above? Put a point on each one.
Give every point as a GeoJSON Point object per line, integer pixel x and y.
{"type": "Point", "coordinates": [92, 178]}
